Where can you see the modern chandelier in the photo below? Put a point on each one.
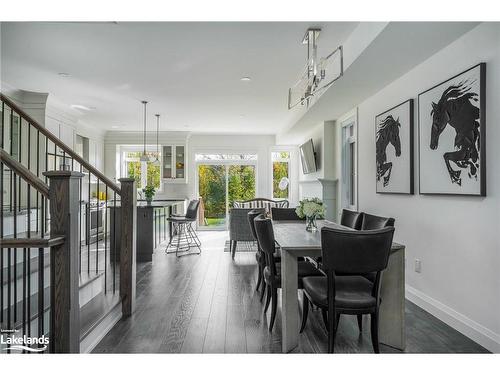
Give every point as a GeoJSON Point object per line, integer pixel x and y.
{"type": "Point", "coordinates": [318, 74]}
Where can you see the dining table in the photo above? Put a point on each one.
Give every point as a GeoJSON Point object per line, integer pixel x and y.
{"type": "Point", "coordinates": [295, 241]}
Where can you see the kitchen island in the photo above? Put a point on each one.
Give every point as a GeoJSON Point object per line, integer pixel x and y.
{"type": "Point", "coordinates": [152, 226]}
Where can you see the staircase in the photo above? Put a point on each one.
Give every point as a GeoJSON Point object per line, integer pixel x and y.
{"type": "Point", "coordinates": [58, 273]}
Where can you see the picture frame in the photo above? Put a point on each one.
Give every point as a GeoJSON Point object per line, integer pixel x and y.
{"type": "Point", "coordinates": [394, 149]}
{"type": "Point", "coordinates": [451, 161]}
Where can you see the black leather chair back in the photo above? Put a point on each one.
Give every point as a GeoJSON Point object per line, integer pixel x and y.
{"type": "Point", "coordinates": [265, 237]}
{"type": "Point", "coordinates": [356, 252]}
{"type": "Point", "coordinates": [371, 222]}
{"type": "Point", "coordinates": [192, 209]}
{"type": "Point", "coordinates": [279, 213]}
{"type": "Point", "coordinates": [251, 216]}
{"type": "Point", "coordinates": [351, 219]}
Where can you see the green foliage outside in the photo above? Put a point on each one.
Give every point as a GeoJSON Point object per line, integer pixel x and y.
{"type": "Point", "coordinates": [241, 183]}
{"type": "Point", "coordinates": [280, 170]}
{"type": "Point", "coordinates": [212, 188]}
{"type": "Point", "coordinates": [134, 170]}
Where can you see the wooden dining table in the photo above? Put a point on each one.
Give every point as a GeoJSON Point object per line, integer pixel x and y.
{"type": "Point", "coordinates": [294, 241]}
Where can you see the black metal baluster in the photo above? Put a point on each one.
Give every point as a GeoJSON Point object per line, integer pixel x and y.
{"type": "Point", "coordinates": [106, 242]}
{"type": "Point", "coordinates": [89, 223]}
{"type": "Point", "coordinates": [1, 236]}
{"type": "Point", "coordinates": [38, 175]}
{"type": "Point", "coordinates": [15, 250]}
{"type": "Point", "coordinates": [64, 160]}
{"type": "Point", "coordinates": [27, 252]}
{"type": "Point", "coordinates": [41, 276]}
{"type": "Point", "coordinates": [55, 157]}
{"type": "Point", "coordinates": [1, 221]}
{"type": "Point", "coordinates": [97, 230]}
{"type": "Point", "coordinates": [114, 241]}
{"type": "Point", "coordinates": [80, 212]}
{"type": "Point", "coordinates": [44, 215]}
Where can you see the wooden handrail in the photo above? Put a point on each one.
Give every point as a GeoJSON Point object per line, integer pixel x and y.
{"type": "Point", "coordinates": [31, 243]}
{"type": "Point", "coordinates": [24, 172]}
{"type": "Point", "coordinates": [60, 144]}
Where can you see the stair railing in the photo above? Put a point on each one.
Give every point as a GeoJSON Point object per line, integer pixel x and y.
{"type": "Point", "coordinates": [31, 156]}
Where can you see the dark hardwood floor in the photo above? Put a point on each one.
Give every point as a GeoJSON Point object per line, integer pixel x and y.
{"type": "Point", "coordinates": [208, 304]}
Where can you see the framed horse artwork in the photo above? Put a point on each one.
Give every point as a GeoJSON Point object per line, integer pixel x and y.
{"type": "Point", "coordinates": [452, 135]}
{"type": "Point", "coordinates": [394, 149]}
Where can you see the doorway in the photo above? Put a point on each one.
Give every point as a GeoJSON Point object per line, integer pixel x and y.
{"type": "Point", "coordinates": [219, 185]}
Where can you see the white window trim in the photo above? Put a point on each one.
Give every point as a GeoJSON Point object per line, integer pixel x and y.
{"type": "Point", "coordinates": [350, 119]}
{"type": "Point", "coordinates": [123, 149]}
{"type": "Point", "coordinates": [288, 149]}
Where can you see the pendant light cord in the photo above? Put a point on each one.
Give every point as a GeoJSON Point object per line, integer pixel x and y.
{"type": "Point", "coordinates": [144, 102]}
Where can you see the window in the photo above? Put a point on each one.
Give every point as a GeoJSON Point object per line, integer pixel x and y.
{"type": "Point", "coordinates": [144, 173]}
{"type": "Point", "coordinates": [225, 157]}
{"type": "Point", "coordinates": [281, 174]}
{"type": "Point", "coordinates": [349, 164]}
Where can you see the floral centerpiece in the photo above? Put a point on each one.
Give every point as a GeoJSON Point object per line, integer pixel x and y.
{"type": "Point", "coordinates": [311, 209]}
{"type": "Point", "coordinates": [149, 193]}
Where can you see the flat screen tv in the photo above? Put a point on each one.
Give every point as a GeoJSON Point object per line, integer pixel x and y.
{"type": "Point", "coordinates": [308, 157]}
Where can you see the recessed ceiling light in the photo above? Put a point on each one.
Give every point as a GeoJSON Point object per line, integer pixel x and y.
{"type": "Point", "coordinates": [63, 74]}
{"type": "Point", "coordinates": [82, 107]}
{"type": "Point", "coordinates": [245, 79]}
{"type": "Point", "coordinates": [114, 127]}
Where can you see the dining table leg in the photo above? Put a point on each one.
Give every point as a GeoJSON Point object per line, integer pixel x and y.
{"type": "Point", "coordinates": [289, 301]}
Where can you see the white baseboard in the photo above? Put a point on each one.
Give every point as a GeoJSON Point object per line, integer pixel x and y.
{"type": "Point", "coordinates": [473, 330]}
{"type": "Point", "coordinates": [98, 333]}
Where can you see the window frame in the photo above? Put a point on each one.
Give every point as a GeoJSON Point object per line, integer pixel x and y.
{"type": "Point", "coordinates": [280, 159]}
{"type": "Point", "coordinates": [349, 167]}
{"type": "Point", "coordinates": [124, 159]}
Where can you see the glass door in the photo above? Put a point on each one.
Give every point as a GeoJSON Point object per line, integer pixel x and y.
{"type": "Point", "coordinates": [212, 188]}
{"type": "Point", "coordinates": [219, 186]}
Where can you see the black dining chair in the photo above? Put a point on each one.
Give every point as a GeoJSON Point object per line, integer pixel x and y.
{"type": "Point", "coordinates": [278, 213]}
{"type": "Point", "coordinates": [376, 222]}
{"type": "Point", "coordinates": [259, 255]}
{"type": "Point", "coordinates": [351, 219]}
{"type": "Point", "coordinates": [353, 253]}
{"type": "Point", "coordinates": [272, 270]}
{"type": "Point", "coordinates": [184, 235]}
{"type": "Point", "coordinates": [364, 221]}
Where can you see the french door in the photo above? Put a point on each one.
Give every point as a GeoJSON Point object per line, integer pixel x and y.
{"type": "Point", "coordinates": [219, 185]}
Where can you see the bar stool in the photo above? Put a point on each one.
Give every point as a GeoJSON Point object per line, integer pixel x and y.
{"type": "Point", "coordinates": [184, 235]}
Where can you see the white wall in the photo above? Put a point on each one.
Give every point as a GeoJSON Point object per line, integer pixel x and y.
{"type": "Point", "coordinates": [456, 238]}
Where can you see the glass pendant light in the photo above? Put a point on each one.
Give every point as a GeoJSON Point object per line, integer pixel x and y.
{"type": "Point", "coordinates": [144, 156]}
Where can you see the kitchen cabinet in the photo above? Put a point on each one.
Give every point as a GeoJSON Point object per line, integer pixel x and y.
{"type": "Point", "coordinates": [174, 164]}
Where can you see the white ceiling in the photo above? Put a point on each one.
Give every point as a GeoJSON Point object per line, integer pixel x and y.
{"type": "Point", "coordinates": [189, 72]}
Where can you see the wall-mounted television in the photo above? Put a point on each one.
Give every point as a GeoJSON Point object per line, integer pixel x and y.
{"type": "Point", "coordinates": [308, 157]}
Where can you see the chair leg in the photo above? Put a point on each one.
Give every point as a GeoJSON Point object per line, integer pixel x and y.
{"type": "Point", "coordinates": [325, 318]}
{"type": "Point", "coordinates": [305, 311]}
{"type": "Point", "coordinates": [332, 324]}
{"type": "Point", "coordinates": [274, 305]}
{"type": "Point", "coordinates": [263, 290]}
{"type": "Point", "coordinates": [233, 250]}
{"type": "Point", "coordinates": [374, 331]}
{"type": "Point", "coordinates": [259, 277]}
{"type": "Point", "coordinates": [268, 298]}
{"type": "Point", "coordinates": [360, 322]}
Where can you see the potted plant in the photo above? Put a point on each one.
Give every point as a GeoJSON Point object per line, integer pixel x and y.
{"type": "Point", "coordinates": [311, 209]}
{"type": "Point", "coordinates": [149, 193]}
